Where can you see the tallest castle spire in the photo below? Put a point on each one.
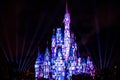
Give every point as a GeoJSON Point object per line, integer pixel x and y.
{"type": "Point", "coordinates": [67, 15]}
{"type": "Point", "coordinates": [66, 7]}
{"type": "Point", "coordinates": [66, 33]}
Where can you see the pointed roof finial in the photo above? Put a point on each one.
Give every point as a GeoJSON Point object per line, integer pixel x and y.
{"type": "Point", "coordinates": [47, 52]}
{"type": "Point", "coordinates": [54, 31]}
{"type": "Point", "coordinates": [47, 42]}
{"type": "Point", "coordinates": [67, 15]}
{"type": "Point", "coordinates": [66, 7]}
{"type": "Point", "coordinates": [39, 52]}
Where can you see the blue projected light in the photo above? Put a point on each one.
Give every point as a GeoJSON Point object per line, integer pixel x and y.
{"type": "Point", "coordinates": [65, 59]}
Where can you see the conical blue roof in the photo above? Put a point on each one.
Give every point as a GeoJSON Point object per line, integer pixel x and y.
{"type": "Point", "coordinates": [39, 57]}
{"type": "Point", "coordinates": [47, 52]}
{"type": "Point", "coordinates": [53, 36]}
{"type": "Point", "coordinates": [71, 52]}
{"type": "Point", "coordinates": [59, 52]}
{"type": "Point", "coordinates": [78, 55]}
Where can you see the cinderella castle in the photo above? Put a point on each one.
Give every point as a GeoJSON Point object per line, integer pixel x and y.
{"type": "Point", "coordinates": [64, 60]}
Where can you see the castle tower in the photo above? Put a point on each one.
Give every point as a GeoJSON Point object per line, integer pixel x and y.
{"type": "Point", "coordinates": [46, 64]}
{"type": "Point", "coordinates": [59, 38]}
{"type": "Point", "coordinates": [71, 62]}
{"type": "Point", "coordinates": [53, 44]}
{"type": "Point", "coordinates": [59, 65]}
{"type": "Point", "coordinates": [67, 40]}
{"type": "Point", "coordinates": [38, 66]}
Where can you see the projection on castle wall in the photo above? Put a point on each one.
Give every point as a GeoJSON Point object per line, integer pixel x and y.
{"type": "Point", "coordinates": [64, 60]}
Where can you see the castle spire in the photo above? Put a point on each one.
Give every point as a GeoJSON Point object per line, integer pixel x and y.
{"type": "Point", "coordinates": [66, 7]}
{"type": "Point", "coordinates": [67, 15]}
{"type": "Point", "coordinates": [67, 39]}
{"type": "Point", "coordinates": [38, 51]}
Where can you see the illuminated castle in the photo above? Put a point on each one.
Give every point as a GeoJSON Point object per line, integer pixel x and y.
{"type": "Point", "coordinates": [63, 61]}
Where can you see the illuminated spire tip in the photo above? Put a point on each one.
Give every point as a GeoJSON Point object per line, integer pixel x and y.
{"type": "Point", "coordinates": [66, 7]}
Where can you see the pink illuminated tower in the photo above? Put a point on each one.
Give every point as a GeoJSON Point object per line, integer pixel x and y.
{"type": "Point", "coordinates": [53, 44]}
{"type": "Point", "coordinates": [67, 40]}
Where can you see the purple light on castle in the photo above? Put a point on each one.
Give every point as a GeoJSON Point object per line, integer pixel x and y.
{"type": "Point", "coordinates": [63, 61]}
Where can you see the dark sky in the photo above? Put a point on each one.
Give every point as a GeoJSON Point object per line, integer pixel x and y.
{"type": "Point", "coordinates": [27, 24]}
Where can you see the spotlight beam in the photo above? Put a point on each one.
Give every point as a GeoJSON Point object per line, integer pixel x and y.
{"type": "Point", "coordinates": [8, 45]}
{"type": "Point", "coordinates": [32, 41]}
{"type": "Point", "coordinates": [23, 46]}
{"type": "Point", "coordinates": [28, 60]}
{"type": "Point", "coordinates": [98, 41]}
{"type": "Point", "coordinates": [110, 55]}
{"type": "Point", "coordinates": [45, 30]}
{"type": "Point", "coordinates": [29, 65]}
{"type": "Point", "coordinates": [86, 47]}
{"type": "Point", "coordinates": [29, 49]}
{"type": "Point", "coordinates": [5, 54]}
{"type": "Point", "coordinates": [107, 38]}
{"type": "Point", "coordinates": [16, 48]}
{"type": "Point", "coordinates": [106, 49]}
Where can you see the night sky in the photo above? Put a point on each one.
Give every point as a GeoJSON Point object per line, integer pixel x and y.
{"type": "Point", "coordinates": [26, 25]}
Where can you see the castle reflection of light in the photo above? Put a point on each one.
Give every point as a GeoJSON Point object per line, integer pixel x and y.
{"type": "Point", "coordinates": [65, 59]}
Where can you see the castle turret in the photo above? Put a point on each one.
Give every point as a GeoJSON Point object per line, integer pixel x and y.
{"type": "Point", "coordinates": [46, 64]}
{"type": "Point", "coordinates": [59, 38]}
{"type": "Point", "coordinates": [66, 17]}
{"type": "Point", "coordinates": [39, 66]}
{"type": "Point", "coordinates": [59, 65]}
{"type": "Point", "coordinates": [71, 63]}
{"type": "Point", "coordinates": [53, 44]}
{"type": "Point", "coordinates": [67, 40]}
